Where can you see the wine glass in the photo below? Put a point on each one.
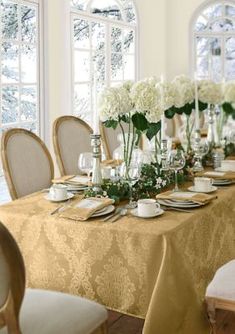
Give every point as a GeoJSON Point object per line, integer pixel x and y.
{"type": "Point", "coordinates": [131, 174]}
{"type": "Point", "coordinates": [85, 163]}
{"type": "Point", "coordinates": [176, 161]}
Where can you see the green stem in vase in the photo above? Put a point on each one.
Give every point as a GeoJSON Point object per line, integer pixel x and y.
{"type": "Point", "coordinates": [188, 134]}
{"type": "Point", "coordinates": [124, 141]}
{"type": "Point", "coordinates": [132, 144]}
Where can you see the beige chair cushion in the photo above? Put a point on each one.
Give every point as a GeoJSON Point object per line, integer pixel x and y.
{"type": "Point", "coordinates": [223, 283]}
{"type": "Point", "coordinates": [28, 163]}
{"type": "Point", "coordinates": [73, 139]}
{"type": "Point", "coordinates": [47, 312]}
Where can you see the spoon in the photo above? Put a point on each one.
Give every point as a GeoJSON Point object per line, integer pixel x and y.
{"type": "Point", "coordinates": [122, 213]}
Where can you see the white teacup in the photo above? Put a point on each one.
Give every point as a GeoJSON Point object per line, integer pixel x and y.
{"type": "Point", "coordinates": [203, 184]}
{"type": "Point", "coordinates": [58, 192]}
{"type": "Point", "coordinates": [147, 207]}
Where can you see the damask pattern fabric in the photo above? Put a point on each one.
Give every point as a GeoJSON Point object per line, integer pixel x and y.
{"type": "Point", "coordinates": [156, 269]}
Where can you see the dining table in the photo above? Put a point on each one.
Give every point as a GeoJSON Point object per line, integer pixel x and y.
{"type": "Point", "coordinates": [156, 269]}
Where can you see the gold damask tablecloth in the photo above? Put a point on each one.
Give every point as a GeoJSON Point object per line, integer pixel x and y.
{"type": "Point", "coordinates": [156, 269]}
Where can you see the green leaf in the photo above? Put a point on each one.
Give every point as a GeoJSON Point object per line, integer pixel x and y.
{"type": "Point", "coordinates": [125, 119]}
{"type": "Point", "coordinates": [170, 113]}
{"type": "Point", "coordinates": [228, 109]}
{"type": "Point", "coordinates": [153, 129]}
{"type": "Point", "coordinates": [202, 106]}
{"type": "Point", "coordinates": [188, 108]}
{"type": "Point", "coordinates": [111, 124]}
{"type": "Point", "coordinates": [140, 122]}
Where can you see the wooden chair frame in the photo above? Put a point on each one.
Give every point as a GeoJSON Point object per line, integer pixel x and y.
{"type": "Point", "coordinates": [5, 163]}
{"type": "Point", "coordinates": [212, 304]}
{"type": "Point", "coordinates": [56, 145]}
{"type": "Point", "coordinates": [106, 145]}
{"type": "Point", "coordinates": [9, 312]}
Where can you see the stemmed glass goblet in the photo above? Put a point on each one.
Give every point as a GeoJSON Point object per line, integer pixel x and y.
{"type": "Point", "coordinates": [176, 161]}
{"type": "Point", "coordinates": [131, 174]}
{"type": "Point", "coordinates": [85, 163]}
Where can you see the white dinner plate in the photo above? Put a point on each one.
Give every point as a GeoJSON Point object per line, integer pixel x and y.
{"type": "Point", "coordinates": [159, 212]}
{"type": "Point", "coordinates": [205, 192]}
{"type": "Point", "coordinates": [104, 211]}
{"type": "Point", "coordinates": [76, 188]}
{"type": "Point", "coordinates": [220, 182]}
{"type": "Point", "coordinates": [178, 204]}
{"type": "Point", "coordinates": [49, 198]}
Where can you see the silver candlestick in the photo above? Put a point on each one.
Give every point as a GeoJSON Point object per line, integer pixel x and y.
{"type": "Point", "coordinates": [164, 152]}
{"type": "Point", "coordinates": [211, 126]}
{"type": "Point", "coordinates": [96, 171]}
{"type": "Point", "coordinates": [197, 167]}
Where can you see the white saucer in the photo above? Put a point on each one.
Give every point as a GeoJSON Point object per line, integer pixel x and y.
{"type": "Point", "coordinates": [134, 212]}
{"type": "Point", "coordinates": [104, 211]}
{"type": "Point", "coordinates": [205, 192]}
{"type": "Point", "coordinates": [220, 182]}
{"type": "Point", "coordinates": [49, 198]}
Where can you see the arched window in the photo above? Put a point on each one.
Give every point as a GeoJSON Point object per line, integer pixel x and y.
{"type": "Point", "coordinates": [213, 29]}
{"type": "Point", "coordinates": [104, 49]}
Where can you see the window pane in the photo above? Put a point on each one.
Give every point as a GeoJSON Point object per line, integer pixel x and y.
{"type": "Point", "coordinates": [30, 126]}
{"type": "Point", "coordinates": [82, 66]}
{"type": "Point", "coordinates": [202, 46]}
{"type": "Point", "coordinates": [222, 25]}
{"type": "Point", "coordinates": [82, 101]}
{"type": "Point", "coordinates": [230, 69]}
{"type": "Point", "coordinates": [9, 12]}
{"type": "Point", "coordinates": [202, 66]}
{"type": "Point", "coordinates": [28, 24]}
{"type": "Point", "coordinates": [28, 64]}
{"type": "Point", "coordinates": [129, 67]}
{"type": "Point", "coordinates": [10, 63]}
{"type": "Point", "coordinates": [229, 10]}
{"type": "Point", "coordinates": [116, 39]}
{"type": "Point", "coordinates": [78, 4]}
{"type": "Point", "coordinates": [230, 47]}
{"type": "Point", "coordinates": [28, 103]}
{"type": "Point", "coordinates": [81, 34]}
{"type": "Point", "coordinates": [129, 12]}
{"type": "Point", "coordinates": [201, 24]}
{"type": "Point", "coordinates": [98, 36]}
{"type": "Point", "coordinates": [216, 68]}
{"type": "Point", "coordinates": [10, 104]}
{"type": "Point", "coordinates": [108, 8]}
{"type": "Point", "coordinates": [99, 66]}
{"type": "Point", "coordinates": [213, 11]}
{"type": "Point", "coordinates": [116, 66]}
{"type": "Point", "coordinates": [128, 41]}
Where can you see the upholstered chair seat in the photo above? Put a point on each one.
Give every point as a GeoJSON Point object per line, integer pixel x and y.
{"type": "Point", "coordinates": [220, 293]}
{"type": "Point", "coordinates": [223, 284]}
{"type": "Point", "coordinates": [34, 311]}
{"type": "Point", "coordinates": [48, 312]}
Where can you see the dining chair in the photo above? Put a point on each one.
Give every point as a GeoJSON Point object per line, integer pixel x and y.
{"type": "Point", "coordinates": [220, 293]}
{"type": "Point", "coordinates": [71, 136]}
{"type": "Point", "coordinates": [27, 163]}
{"type": "Point", "coordinates": [110, 141]}
{"type": "Point", "coordinates": [33, 311]}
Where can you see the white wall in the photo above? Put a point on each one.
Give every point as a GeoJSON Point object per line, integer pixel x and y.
{"type": "Point", "coordinates": [179, 14]}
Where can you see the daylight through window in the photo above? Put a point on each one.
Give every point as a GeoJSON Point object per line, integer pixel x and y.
{"type": "Point", "coordinates": [19, 65]}
{"type": "Point", "coordinates": [214, 41]}
{"type": "Point", "coordinates": [104, 49]}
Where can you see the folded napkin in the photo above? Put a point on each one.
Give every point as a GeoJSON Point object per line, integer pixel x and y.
{"type": "Point", "coordinates": [84, 209]}
{"type": "Point", "coordinates": [219, 175]}
{"type": "Point", "coordinates": [111, 163]}
{"type": "Point", "coordinates": [73, 179]}
{"type": "Point", "coordinates": [199, 198]}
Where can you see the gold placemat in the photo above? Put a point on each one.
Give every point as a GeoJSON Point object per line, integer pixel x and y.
{"type": "Point", "coordinates": [187, 196]}
{"type": "Point", "coordinates": [84, 209]}
{"type": "Point", "coordinates": [73, 180]}
{"type": "Point", "coordinates": [218, 175]}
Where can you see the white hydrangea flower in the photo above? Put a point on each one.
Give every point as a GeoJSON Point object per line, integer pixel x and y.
{"type": "Point", "coordinates": [183, 91]}
{"type": "Point", "coordinates": [113, 102]}
{"type": "Point", "coordinates": [144, 96]}
{"type": "Point", "coordinates": [210, 92]}
{"type": "Point", "coordinates": [167, 93]}
{"type": "Point", "coordinates": [229, 92]}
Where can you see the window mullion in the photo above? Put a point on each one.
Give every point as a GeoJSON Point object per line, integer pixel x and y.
{"type": "Point", "coordinates": [19, 59]}
{"type": "Point", "coordinates": [108, 54]}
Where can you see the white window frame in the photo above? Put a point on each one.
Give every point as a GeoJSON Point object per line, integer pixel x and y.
{"type": "Point", "coordinates": [109, 23]}
{"type": "Point", "coordinates": [40, 119]}
{"type": "Point", "coordinates": [221, 35]}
